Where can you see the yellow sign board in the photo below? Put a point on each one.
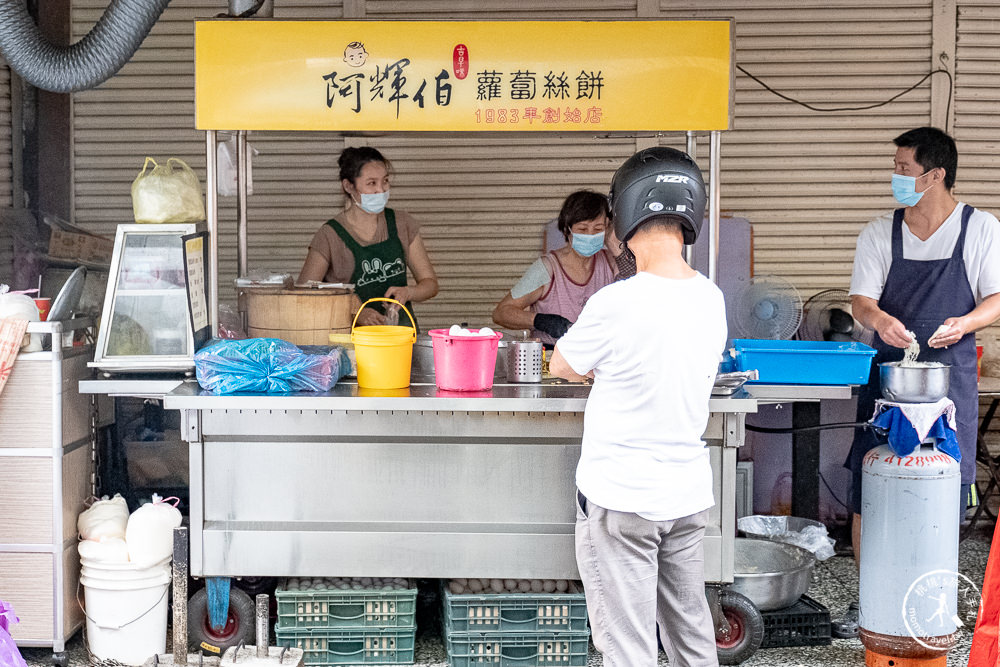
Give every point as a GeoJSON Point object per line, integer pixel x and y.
{"type": "Point", "coordinates": [495, 76]}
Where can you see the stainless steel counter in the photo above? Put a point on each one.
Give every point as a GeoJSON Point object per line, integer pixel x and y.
{"type": "Point", "coordinates": [550, 397]}
{"type": "Point", "coordinates": [415, 482]}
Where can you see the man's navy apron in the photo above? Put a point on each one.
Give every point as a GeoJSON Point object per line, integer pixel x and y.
{"type": "Point", "coordinates": [922, 295]}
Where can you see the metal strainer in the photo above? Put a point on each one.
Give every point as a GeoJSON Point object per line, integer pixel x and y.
{"type": "Point", "coordinates": [524, 360]}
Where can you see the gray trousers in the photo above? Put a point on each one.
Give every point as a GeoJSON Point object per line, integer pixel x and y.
{"type": "Point", "coordinates": [639, 574]}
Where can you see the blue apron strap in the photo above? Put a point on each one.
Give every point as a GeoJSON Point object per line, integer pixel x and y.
{"type": "Point", "coordinates": [897, 233]}
{"type": "Point", "coordinates": [957, 252]}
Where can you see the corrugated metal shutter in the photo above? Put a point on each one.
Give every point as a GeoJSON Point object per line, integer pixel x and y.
{"type": "Point", "coordinates": [977, 94]}
{"type": "Point", "coordinates": [977, 128]}
{"type": "Point", "coordinates": [809, 181]}
{"type": "Point", "coordinates": [482, 199]}
{"type": "Point", "coordinates": [148, 109]}
{"type": "Point", "coordinates": [6, 170]}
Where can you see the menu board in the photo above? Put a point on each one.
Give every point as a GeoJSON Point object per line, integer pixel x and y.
{"type": "Point", "coordinates": [195, 256]}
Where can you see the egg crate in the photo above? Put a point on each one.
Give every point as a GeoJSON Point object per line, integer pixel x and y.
{"type": "Point", "coordinates": [323, 647]}
{"type": "Point", "coordinates": [805, 623]}
{"type": "Point", "coordinates": [348, 609]}
{"type": "Point", "coordinates": [515, 612]}
{"type": "Point", "coordinates": [518, 649]}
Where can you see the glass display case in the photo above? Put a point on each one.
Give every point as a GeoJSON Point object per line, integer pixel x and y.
{"type": "Point", "coordinates": [146, 322]}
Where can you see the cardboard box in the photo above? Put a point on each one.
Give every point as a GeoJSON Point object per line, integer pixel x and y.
{"type": "Point", "coordinates": [83, 247]}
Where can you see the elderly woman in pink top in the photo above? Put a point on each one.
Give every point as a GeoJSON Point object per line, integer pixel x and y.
{"type": "Point", "coordinates": [552, 292]}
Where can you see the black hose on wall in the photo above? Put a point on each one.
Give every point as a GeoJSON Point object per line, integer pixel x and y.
{"type": "Point", "coordinates": [94, 59]}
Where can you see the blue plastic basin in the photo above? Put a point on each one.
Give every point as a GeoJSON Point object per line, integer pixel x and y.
{"type": "Point", "coordinates": [804, 361]}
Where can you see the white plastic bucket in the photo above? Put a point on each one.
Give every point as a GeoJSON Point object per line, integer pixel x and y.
{"type": "Point", "coordinates": [126, 610]}
{"type": "Point", "coordinates": [96, 569]}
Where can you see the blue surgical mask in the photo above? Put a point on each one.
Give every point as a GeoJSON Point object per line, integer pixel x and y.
{"type": "Point", "coordinates": [374, 203]}
{"type": "Point", "coordinates": [904, 189]}
{"type": "Point", "coordinates": [588, 244]}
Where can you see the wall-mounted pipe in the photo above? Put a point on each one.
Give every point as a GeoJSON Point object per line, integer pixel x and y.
{"type": "Point", "coordinates": [91, 61]}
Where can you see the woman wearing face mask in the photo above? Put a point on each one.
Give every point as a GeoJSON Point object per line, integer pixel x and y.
{"type": "Point", "coordinates": [552, 292]}
{"type": "Point", "coordinates": [368, 244]}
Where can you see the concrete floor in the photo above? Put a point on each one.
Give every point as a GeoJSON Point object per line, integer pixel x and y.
{"type": "Point", "coordinates": [835, 584]}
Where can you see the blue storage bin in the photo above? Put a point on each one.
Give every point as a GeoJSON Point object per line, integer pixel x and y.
{"type": "Point", "coordinates": [804, 361]}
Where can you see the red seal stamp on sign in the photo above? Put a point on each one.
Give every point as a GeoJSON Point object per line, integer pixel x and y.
{"type": "Point", "coordinates": [460, 61]}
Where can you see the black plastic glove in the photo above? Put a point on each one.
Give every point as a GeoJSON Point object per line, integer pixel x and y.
{"type": "Point", "coordinates": [554, 325]}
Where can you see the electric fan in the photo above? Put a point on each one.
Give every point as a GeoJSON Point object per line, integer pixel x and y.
{"type": "Point", "coordinates": [768, 307]}
{"type": "Point", "coordinates": [827, 316]}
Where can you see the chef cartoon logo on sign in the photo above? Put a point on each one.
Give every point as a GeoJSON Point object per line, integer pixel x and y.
{"type": "Point", "coordinates": [387, 83]}
{"type": "Point", "coordinates": [355, 54]}
{"type": "Point", "coordinates": [937, 604]}
{"type": "Point", "coordinates": [374, 271]}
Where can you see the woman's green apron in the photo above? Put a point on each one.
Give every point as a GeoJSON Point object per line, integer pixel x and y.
{"type": "Point", "coordinates": [378, 266]}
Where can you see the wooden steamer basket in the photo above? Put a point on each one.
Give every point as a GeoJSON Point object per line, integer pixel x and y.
{"type": "Point", "coordinates": [300, 315]}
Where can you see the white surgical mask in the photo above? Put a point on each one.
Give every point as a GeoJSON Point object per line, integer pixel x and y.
{"type": "Point", "coordinates": [373, 203]}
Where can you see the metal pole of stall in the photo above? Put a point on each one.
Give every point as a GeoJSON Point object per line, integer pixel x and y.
{"type": "Point", "coordinates": [692, 150]}
{"type": "Point", "coordinates": [262, 618]}
{"type": "Point", "coordinates": [180, 583]}
{"type": "Point", "coordinates": [241, 202]}
{"type": "Point", "coordinates": [714, 206]}
{"type": "Point", "coordinates": [212, 216]}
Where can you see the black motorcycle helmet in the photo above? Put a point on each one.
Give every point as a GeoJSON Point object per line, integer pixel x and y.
{"type": "Point", "coordinates": [658, 181]}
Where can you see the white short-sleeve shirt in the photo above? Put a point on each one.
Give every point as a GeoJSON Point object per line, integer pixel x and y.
{"type": "Point", "coordinates": [654, 345]}
{"type": "Point", "coordinates": [981, 253]}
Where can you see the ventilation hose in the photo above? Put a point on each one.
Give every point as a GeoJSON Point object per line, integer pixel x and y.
{"type": "Point", "coordinates": [91, 61]}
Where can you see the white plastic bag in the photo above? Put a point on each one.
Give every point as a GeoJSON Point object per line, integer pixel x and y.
{"type": "Point", "coordinates": [21, 306]}
{"type": "Point", "coordinates": [105, 518]}
{"type": "Point", "coordinates": [150, 531]}
{"type": "Point", "coordinates": [105, 550]}
{"type": "Point", "coordinates": [775, 528]}
{"type": "Point", "coordinates": [167, 193]}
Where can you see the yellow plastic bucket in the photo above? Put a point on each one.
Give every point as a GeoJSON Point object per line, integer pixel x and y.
{"type": "Point", "coordinates": [383, 352]}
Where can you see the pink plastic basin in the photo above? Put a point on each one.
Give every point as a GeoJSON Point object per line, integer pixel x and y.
{"type": "Point", "coordinates": [464, 363]}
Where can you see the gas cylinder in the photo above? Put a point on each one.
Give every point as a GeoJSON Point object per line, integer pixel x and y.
{"type": "Point", "coordinates": [909, 556]}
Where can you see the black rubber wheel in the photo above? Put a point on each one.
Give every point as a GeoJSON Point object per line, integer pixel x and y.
{"type": "Point", "coordinates": [239, 628]}
{"type": "Point", "coordinates": [60, 659]}
{"type": "Point", "coordinates": [252, 586]}
{"type": "Point", "coordinates": [746, 627]}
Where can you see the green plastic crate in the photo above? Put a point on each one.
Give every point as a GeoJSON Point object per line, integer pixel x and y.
{"type": "Point", "coordinates": [512, 649]}
{"type": "Point", "coordinates": [346, 609]}
{"type": "Point", "coordinates": [351, 647]}
{"type": "Point", "coordinates": [515, 612]}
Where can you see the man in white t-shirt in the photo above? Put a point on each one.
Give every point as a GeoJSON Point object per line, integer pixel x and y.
{"type": "Point", "coordinates": [652, 344]}
{"type": "Point", "coordinates": [931, 267]}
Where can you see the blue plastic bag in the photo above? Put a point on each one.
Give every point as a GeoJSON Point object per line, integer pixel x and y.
{"type": "Point", "coordinates": [267, 365]}
{"type": "Point", "coordinates": [9, 655]}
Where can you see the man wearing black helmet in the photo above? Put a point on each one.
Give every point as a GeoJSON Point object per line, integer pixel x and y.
{"type": "Point", "coordinates": [653, 344]}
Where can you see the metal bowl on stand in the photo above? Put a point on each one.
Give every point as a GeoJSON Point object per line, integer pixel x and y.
{"type": "Point", "coordinates": [924, 383]}
{"type": "Point", "coordinates": [773, 575]}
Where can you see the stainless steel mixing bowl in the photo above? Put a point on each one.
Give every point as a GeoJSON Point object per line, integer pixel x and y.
{"type": "Point", "coordinates": [913, 384]}
{"type": "Point", "coordinates": [773, 575]}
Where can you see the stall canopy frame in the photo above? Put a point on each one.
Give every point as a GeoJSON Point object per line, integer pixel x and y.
{"type": "Point", "coordinates": [236, 96]}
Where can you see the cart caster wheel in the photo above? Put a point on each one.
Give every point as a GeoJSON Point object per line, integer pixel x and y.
{"type": "Point", "coordinates": [253, 586]}
{"type": "Point", "coordinates": [239, 628]}
{"type": "Point", "coordinates": [60, 659]}
{"type": "Point", "coordinates": [746, 629]}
